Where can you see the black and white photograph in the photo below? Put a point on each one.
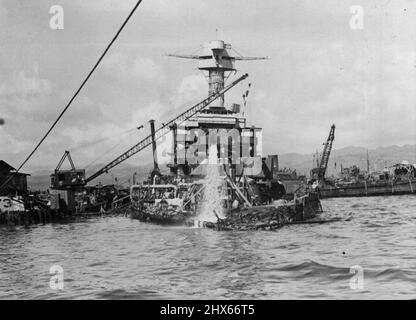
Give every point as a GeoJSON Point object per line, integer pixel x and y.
{"type": "Point", "coordinates": [220, 152]}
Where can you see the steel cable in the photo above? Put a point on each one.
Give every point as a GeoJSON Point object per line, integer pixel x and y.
{"type": "Point", "coordinates": [75, 94]}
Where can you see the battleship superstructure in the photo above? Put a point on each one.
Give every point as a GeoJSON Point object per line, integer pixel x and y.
{"type": "Point", "coordinates": [217, 121]}
{"type": "Point", "coordinates": [247, 178]}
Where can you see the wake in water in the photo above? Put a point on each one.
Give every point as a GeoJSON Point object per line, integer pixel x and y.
{"type": "Point", "coordinates": [212, 192]}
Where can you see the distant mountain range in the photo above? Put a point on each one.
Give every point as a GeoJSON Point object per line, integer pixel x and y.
{"type": "Point", "coordinates": [379, 157]}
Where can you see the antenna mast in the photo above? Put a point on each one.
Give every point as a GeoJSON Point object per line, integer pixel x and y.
{"type": "Point", "coordinates": [216, 59]}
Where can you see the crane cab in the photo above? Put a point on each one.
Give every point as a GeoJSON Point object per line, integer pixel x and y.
{"type": "Point", "coordinates": [66, 179]}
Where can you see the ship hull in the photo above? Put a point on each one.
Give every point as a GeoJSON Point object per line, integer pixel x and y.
{"type": "Point", "coordinates": [366, 189]}
{"type": "Point", "coordinates": [270, 217]}
{"type": "Point", "coordinates": [160, 215]}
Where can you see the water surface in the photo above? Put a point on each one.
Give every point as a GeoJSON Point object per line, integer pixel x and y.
{"type": "Point", "coordinates": [120, 258]}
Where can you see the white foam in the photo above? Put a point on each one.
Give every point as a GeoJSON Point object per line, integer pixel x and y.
{"type": "Point", "coordinates": [212, 193]}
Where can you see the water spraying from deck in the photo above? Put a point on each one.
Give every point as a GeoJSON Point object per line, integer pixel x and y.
{"type": "Point", "coordinates": [212, 193]}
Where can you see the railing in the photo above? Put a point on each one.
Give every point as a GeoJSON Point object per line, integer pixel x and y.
{"type": "Point", "coordinates": [115, 204]}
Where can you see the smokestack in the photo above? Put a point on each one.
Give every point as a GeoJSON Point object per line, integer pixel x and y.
{"type": "Point", "coordinates": [152, 132]}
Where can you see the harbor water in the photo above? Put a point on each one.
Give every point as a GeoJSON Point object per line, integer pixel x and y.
{"type": "Point", "coordinates": [121, 258]}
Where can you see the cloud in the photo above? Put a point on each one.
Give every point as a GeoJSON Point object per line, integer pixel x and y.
{"type": "Point", "coordinates": [24, 87]}
{"type": "Point", "coordinates": [319, 72]}
{"type": "Point", "coordinates": [190, 89]}
{"type": "Point", "coordinates": [167, 9]}
{"type": "Point", "coordinates": [23, 98]}
{"type": "Point", "coordinates": [137, 68]}
{"type": "Point", "coordinates": [106, 5]}
{"type": "Point", "coordinates": [3, 14]}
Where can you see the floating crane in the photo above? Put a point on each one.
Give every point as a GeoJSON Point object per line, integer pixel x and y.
{"type": "Point", "coordinates": [319, 172]}
{"type": "Point", "coordinates": [166, 127]}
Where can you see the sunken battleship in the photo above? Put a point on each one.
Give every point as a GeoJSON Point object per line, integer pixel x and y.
{"type": "Point", "coordinates": [218, 177]}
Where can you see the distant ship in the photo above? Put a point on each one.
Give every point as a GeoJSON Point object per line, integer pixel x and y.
{"type": "Point", "coordinates": [395, 180]}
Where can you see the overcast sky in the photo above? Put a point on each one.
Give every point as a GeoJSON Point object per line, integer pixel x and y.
{"type": "Point", "coordinates": [320, 71]}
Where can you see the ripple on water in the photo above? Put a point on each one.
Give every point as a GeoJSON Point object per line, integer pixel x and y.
{"type": "Point", "coordinates": [119, 258]}
{"type": "Point", "coordinates": [120, 294]}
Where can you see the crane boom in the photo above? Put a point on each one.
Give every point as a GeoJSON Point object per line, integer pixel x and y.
{"type": "Point", "coordinates": [165, 129]}
{"type": "Point", "coordinates": [251, 58]}
{"type": "Point", "coordinates": [327, 151]}
{"type": "Point", "coordinates": [66, 155]}
{"type": "Point", "coordinates": [318, 173]}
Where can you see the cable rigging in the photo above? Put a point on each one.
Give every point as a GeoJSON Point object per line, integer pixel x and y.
{"type": "Point", "coordinates": [75, 94]}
